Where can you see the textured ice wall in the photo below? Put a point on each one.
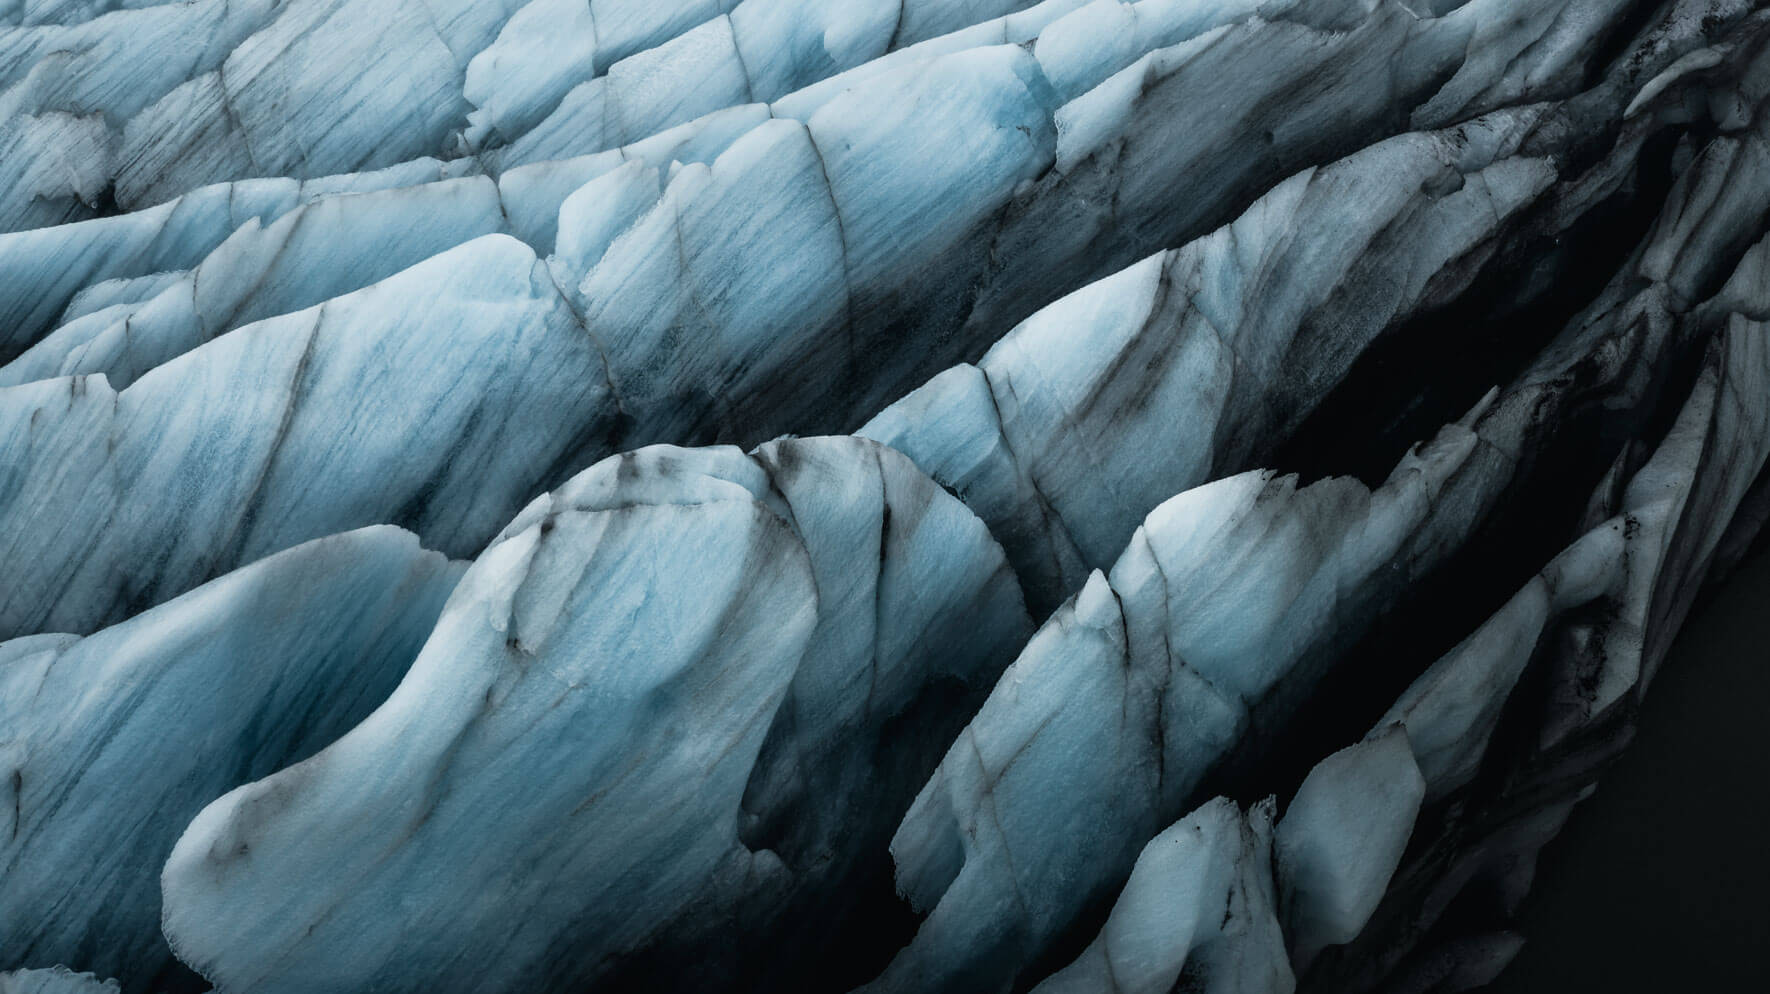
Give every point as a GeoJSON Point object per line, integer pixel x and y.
{"type": "Point", "coordinates": [1359, 392]}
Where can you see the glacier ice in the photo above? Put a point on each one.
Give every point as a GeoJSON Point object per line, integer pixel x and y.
{"type": "Point", "coordinates": [1342, 836]}
{"type": "Point", "coordinates": [1200, 899]}
{"type": "Point", "coordinates": [1286, 438]}
{"type": "Point", "coordinates": [255, 428]}
{"type": "Point", "coordinates": [58, 980]}
{"type": "Point", "coordinates": [1213, 901]}
{"type": "Point", "coordinates": [270, 663]}
{"type": "Point", "coordinates": [617, 606]}
{"type": "Point", "coordinates": [1225, 607]}
{"type": "Point", "coordinates": [975, 839]}
{"type": "Point", "coordinates": [1198, 360]}
{"type": "Point", "coordinates": [61, 273]}
{"type": "Point", "coordinates": [303, 258]}
{"type": "Point", "coordinates": [1630, 564]}
{"type": "Point", "coordinates": [1345, 831]}
{"type": "Point", "coordinates": [564, 647]}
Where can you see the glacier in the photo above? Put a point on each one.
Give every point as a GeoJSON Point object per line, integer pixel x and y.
{"type": "Point", "coordinates": [97, 783]}
{"type": "Point", "coordinates": [749, 495]}
{"type": "Point", "coordinates": [59, 980]}
{"type": "Point", "coordinates": [744, 569]}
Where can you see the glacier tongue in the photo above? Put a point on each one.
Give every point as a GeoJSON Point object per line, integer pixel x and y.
{"type": "Point", "coordinates": [568, 664]}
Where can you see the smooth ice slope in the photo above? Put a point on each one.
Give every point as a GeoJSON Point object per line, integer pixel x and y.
{"type": "Point", "coordinates": [723, 705]}
{"type": "Point", "coordinates": [267, 665]}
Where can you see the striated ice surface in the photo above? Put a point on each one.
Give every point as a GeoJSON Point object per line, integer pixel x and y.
{"type": "Point", "coordinates": [1342, 837]}
{"type": "Point", "coordinates": [892, 495]}
{"type": "Point", "coordinates": [703, 600]}
{"type": "Point", "coordinates": [60, 273]}
{"type": "Point", "coordinates": [1194, 361]}
{"type": "Point", "coordinates": [303, 258]}
{"type": "Point", "coordinates": [1590, 620]}
{"type": "Point", "coordinates": [564, 647]}
{"type": "Point", "coordinates": [496, 386]}
{"type": "Point", "coordinates": [1200, 900]}
{"type": "Point", "coordinates": [1225, 607]}
{"type": "Point", "coordinates": [1213, 900]}
{"type": "Point", "coordinates": [268, 663]}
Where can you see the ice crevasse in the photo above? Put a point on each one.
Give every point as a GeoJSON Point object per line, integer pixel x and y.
{"type": "Point", "coordinates": [981, 496]}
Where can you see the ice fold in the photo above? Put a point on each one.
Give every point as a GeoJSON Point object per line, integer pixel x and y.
{"type": "Point", "coordinates": [267, 664]}
{"type": "Point", "coordinates": [1226, 606]}
{"type": "Point", "coordinates": [680, 640]}
{"type": "Point", "coordinates": [317, 251]}
{"type": "Point", "coordinates": [440, 400]}
{"type": "Point", "coordinates": [1198, 360]}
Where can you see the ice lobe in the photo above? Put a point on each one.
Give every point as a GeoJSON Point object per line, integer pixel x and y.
{"type": "Point", "coordinates": [266, 665]}
{"type": "Point", "coordinates": [723, 705]}
{"type": "Point", "coordinates": [1196, 361]}
{"type": "Point", "coordinates": [565, 649]}
{"type": "Point", "coordinates": [49, 271]}
{"type": "Point", "coordinates": [1224, 609]}
{"type": "Point", "coordinates": [317, 251]}
{"type": "Point", "coordinates": [1224, 902]}
{"type": "Point", "coordinates": [811, 245]}
{"type": "Point", "coordinates": [58, 980]}
{"type": "Point", "coordinates": [790, 56]}
{"type": "Point", "coordinates": [1200, 900]}
{"type": "Point", "coordinates": [439, 400]}
{"type": "Point", "coordinates": [1341, 839]}
{"type": "Point", "coordinates": [899, 660]}
{"type": "Point", "coordinates": [282, 102]}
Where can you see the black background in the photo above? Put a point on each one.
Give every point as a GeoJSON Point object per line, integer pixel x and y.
{"type": "Point", "coordinates": [1661, 880]}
